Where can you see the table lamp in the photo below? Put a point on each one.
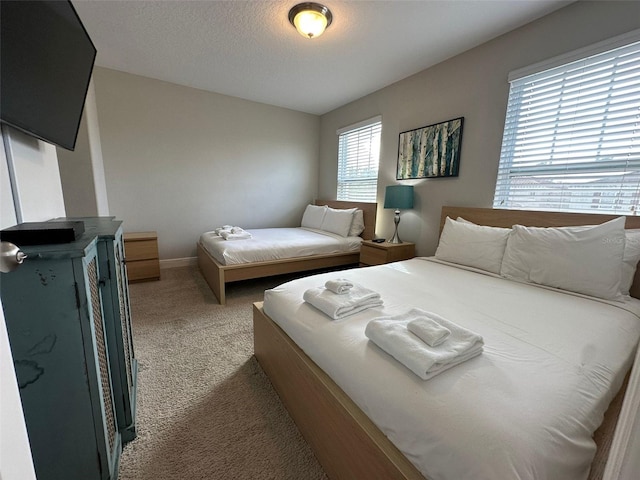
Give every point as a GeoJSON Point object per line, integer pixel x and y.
{"type": "Point", "coordinates": [399, 197]}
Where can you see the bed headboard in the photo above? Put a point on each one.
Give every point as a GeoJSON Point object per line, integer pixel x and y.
{"type": "Point", "coordinates": [369, 211]}
{"type": "Point", "coordinates": [530, 218]}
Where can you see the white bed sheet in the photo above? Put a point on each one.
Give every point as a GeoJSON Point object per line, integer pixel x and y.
{"type": "Point", "coordinates": [526, 408]}
{"type": "Point", "coordinates": [277, 243]}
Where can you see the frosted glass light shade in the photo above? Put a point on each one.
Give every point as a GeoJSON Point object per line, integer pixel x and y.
{"type": "Point", "coordinates": [310, 19]}
{"type": "Point", "coordinates": [310, 24]}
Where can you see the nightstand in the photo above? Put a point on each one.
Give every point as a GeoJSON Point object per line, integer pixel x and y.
{"type": "Point", "coordinates": [141, 254]}
{"type": "Point", "coordinates": [372, 253]}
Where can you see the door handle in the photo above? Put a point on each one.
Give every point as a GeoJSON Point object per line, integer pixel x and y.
{"type": "Point", "coordinates": [10, 257]}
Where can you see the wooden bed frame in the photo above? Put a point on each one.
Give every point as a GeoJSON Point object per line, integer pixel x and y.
{"type": "Point", "coordinates": [346, 442]}
{"type": "Point", "coordinates": [218, 275]}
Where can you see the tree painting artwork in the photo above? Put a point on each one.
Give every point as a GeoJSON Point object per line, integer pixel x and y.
{"type": "Point", "coordinates": [432, 151]}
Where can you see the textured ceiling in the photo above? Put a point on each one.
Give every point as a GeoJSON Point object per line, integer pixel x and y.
{"type": "Point", "coordinates": [248, 49]}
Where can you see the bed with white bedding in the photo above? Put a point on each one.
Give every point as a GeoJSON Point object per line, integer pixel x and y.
{"type": "Point", "coordinates": [316, 245]}
{"type": "Point", "coordinates": [268, 244]}
{"type": "Point", "coordinates": [527, 407]}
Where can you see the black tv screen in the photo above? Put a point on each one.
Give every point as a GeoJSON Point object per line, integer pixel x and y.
{"type": "Point", "coordinates": [46, 60]}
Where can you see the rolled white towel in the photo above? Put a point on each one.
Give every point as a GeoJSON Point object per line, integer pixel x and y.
{"type": "Point", "coordinates": [227, 235]}
{"type": "Point", "coordinates": [335, 306]}
{"type": "Point", "coordinates": [339, 285]}
{"type": "Point", "coordinates": [429, 330]}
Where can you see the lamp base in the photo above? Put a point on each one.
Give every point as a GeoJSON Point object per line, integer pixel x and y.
{"type": "Point", "coordinates": [394, 239]}
{"type": "Point", "coordinates": [396, 220]}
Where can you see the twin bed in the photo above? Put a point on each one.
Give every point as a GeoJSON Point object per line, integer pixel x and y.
{"type": "Point", "coordinates": [280, 251]}
{"type": "Point", "coordinates": [527, 407]}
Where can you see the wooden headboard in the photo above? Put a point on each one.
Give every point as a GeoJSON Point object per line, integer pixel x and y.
{"type": "Point", "coordinates": [530, 218]}
{"type": "Point", "coordinates": [369, 211]}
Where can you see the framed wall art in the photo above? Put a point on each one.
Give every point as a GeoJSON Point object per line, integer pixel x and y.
{"type": "Point", "coordinates": [431, 151]}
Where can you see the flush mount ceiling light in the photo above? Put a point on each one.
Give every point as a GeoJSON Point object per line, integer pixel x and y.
{"type": "Point", "coordinates": [310, 19]}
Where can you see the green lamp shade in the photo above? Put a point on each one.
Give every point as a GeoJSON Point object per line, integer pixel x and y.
{"type": "Point", "coordinates": [399, 197]}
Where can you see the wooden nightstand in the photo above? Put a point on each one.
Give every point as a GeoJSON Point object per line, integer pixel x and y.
{"type": "Point", "coordinates": [141, 254]}
{"type": "Point", "coordinates": [372, 253]}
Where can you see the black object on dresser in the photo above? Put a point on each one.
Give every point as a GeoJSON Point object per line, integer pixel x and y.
{"type": "Point", "coordinates": [42, 233]}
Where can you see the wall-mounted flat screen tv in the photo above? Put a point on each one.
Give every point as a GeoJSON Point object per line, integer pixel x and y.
{"type": "Point", "coordinates": [46, 60]}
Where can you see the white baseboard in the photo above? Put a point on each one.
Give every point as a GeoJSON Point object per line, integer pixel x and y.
{"type": "Point", "coordinates": [178, 262]}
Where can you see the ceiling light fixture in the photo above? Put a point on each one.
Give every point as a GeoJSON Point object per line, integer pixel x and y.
{"type": "Point", "coordinates": [310, 19]}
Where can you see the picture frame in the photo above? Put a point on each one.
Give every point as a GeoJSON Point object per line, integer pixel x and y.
{"type": "Point", "coordinates": [430, 152]}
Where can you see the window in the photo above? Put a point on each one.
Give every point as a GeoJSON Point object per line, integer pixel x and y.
{"type": "Point", "coordinates": [358, 157]}
{"type": "Point", "coordinates": [572, 134]}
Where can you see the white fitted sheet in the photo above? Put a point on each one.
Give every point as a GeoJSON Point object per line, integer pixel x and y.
{"type": "Point", "coordinates": [276, 244]}
{"type": "Point", "coordinates": [526, 408]}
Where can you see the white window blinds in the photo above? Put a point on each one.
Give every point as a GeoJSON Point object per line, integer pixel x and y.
{"type": "Point", "coordinates": [572, 137]}
{"type": "Point", "coordinates": [358, 158]}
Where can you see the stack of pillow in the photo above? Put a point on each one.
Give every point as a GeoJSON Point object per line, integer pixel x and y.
{"type": "Point", "coordinates": [595, 260]}
{"type": "Point", "coordinates": [344, 222]}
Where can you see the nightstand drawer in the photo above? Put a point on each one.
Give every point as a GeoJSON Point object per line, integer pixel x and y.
{"type": "Point", "coordinates": [143, 270]}
{"type": "Point", "coordinates": [141, 249]}
{"type": "Point", "coordinates": [141, 255]}
{"type": "Point", "coordinates": [373, 256]}
{"type": "Point", "coordinates": [372, 253]}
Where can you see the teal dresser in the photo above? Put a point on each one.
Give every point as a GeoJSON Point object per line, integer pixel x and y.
{"type": "Point", "coordinates": [69, 324]}
{"type": "Point", "coordinates": [114, 291]}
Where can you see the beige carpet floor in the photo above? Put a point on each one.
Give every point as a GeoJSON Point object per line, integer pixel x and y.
{"type": "Point", "coordinates": [205, 409]}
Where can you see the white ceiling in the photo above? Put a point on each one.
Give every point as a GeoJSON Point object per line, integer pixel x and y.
{"type": "Point", "coordinates": [248, 49]}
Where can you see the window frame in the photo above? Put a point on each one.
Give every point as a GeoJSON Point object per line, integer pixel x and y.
{"type": "Point", "coordinates": [560, 176]}
{"type": "Point", "coordinates": [361, 162]}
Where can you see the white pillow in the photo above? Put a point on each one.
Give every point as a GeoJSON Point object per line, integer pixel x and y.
{"type": "Point", "coordinates": [313, 216]}
{"type": "Point", "coordinates": [472, 245]}
{"type": "Point", "coordinates": [357, 225]}
{"type": "Point", "coordinates": [585, 259]}
{"type": "Point", "coordinates": [338, 221]}
{"type": "Point", "coordinates": [630, 259]}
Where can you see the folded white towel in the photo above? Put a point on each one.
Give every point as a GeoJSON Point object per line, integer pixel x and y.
{"type": "Point", "coordinates": [224, 228]}
{"type": "Point", "coordinates": [429, 329]}
{"type": "Point", "coordinates": [335, 306]}
{"type": "Point", "coordinates": [228, 235]}
{"type": "Point", "coordinates": [392, 336]}
{"type": "Point", "coordinates": [339, 285]}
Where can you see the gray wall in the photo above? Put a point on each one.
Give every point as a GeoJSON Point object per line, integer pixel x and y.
{"type": "Point", "coordinates": [472, 85]}
{"type": "Point", "coordinates": [36, 179]}
{"type": "Point", "coordinates": [182, 161]}
{"type": "Point", "coordinates": [76, 175]}
{"type": "Point", "coordinates": [82, 171]}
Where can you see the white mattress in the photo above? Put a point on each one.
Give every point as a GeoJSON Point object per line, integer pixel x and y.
{"type": "Point", "coordinates": [526, 408]}
{"type": "Point", "coordinates": [277, 243]}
